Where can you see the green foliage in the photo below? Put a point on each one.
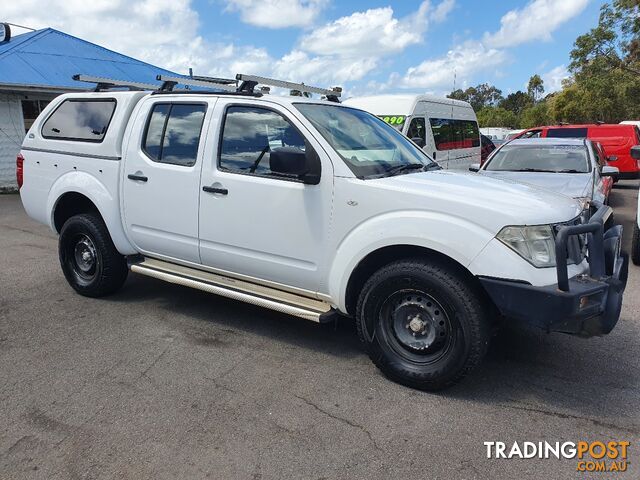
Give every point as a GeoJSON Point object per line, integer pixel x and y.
{"type": "Point", "coordinates": [535, 87]}
{"type": "Point", "coordinates": [535, 116]}
{"type": "Point", "coordinates": [516, 102]}
{"type": "Point", "coordinates": [480, 96]}
{"type": "Point", "coordinates": [496, 117]}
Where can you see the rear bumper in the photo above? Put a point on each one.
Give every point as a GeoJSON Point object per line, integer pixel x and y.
{"type": "Point", "coordinates": [586, 305]}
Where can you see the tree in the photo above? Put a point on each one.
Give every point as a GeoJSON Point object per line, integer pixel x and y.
{"type": "Point", "coordinates": [535, 88]}
{"type": "Point", "coordinates": [516, 102]}
{"type": "Point", "coordinates": [535, 116]}
{"type": "Point", "coordinates": [496, 117]}
{"type": "Point", "coordinates": [480, 96]}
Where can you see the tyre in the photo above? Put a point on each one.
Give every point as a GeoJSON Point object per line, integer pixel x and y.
{"type": "Point", "coordinates": [90, 262]}
{"type": "Point", "coordinates": [635, 244]}
{"type": "Point", "coordinates": [423, 324]}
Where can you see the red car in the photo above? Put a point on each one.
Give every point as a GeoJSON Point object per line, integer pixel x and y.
{"type": "Point", "coordinates": [616, 139]}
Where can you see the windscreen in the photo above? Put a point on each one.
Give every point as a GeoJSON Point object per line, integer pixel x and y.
{"type": "Point", "coordinates": [540, 158]}
{"type": "Point", "coordinates": [370, 147]}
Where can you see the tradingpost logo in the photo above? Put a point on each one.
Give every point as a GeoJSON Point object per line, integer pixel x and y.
{"type": "Point", "coordinates": [590, 456]}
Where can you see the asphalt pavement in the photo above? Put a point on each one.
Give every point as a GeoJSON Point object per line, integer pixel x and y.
{"type": "Point", "coordinates": [160, 381]}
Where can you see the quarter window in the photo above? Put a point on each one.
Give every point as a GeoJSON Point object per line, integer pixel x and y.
{"type": "Point", "coordinates": [173, 133]}
{"type": "Point", "coordinates": [250, 134]}
{"type": "Point", "coordinates": [450, 134]}
{"type": "Point", "coordinates": [82, 120]}
{"type": "Point", "coordinates": [417, 129]}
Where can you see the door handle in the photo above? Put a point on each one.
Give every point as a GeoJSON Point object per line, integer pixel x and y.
{"type": "Point", "coordinates": [218, 190]}
{"type": "Point", "coordinates": [137, 178]}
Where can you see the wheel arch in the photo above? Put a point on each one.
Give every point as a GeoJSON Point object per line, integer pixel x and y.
{"type": "Point", "coordinates": [380, 257]}
{"type": "Point", "coordinates": [79, 192]}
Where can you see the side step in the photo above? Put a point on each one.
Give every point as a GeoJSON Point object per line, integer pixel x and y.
{"type": "Point", "coordinates": [263, 296]}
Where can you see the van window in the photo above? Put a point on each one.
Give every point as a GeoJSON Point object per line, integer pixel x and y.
{"type": "Point", "coordinates": [454, 134]}
{"type": "Point", "coordinates": [417, 129]}
{"type": "Point", "coordinates": [80, 119]}
{"type": "Point", "coordinates": [567, 133]}
{"type": "Point", "coordinates": [173, 133]}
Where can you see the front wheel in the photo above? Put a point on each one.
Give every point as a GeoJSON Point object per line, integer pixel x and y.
{"type": "Point", "coordinates": [423, 324]}
{"type": "Point", "coordinates": [90, 262]}
{"type": "Point", "coordinates": [635, 244]}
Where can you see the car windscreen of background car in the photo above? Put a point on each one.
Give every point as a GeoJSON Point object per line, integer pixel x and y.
{"type": "Point", "coordinates": [548, 158]}
{"type": "Point", "coordinates": [368, 145]}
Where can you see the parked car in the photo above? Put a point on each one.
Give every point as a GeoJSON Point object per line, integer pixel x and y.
{"type": "Point", "coordinates": [635, 242]}
{"type": "Point", "coordinates": [446, 129]}
{"type": "Point", "coordinates": [570, 166]}
{"type": "Point", "coordinates": [310, 208]}
{"type": "Point", "coordinates": [486, 147]}
{"type": "Point", "coordinates": [617, 140]}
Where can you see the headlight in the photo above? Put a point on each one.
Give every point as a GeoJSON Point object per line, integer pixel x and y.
{"type": "Point", "coordinates": [535, 244]}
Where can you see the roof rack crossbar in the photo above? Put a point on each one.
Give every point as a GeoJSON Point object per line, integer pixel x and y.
{"type": "Point", "coordinates": [103, 83]}
{"type": "Point", "coordinates": [334, 92]}
{"type": "Point", "coordinates": [225, 84]}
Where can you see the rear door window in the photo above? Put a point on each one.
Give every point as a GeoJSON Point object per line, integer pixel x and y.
{"type": "Point", "coordinates": [173, 133]}
{"type": "Point", "coordinates": [80, 119]}
{"type": "Point", "coordinates": [567, 133]}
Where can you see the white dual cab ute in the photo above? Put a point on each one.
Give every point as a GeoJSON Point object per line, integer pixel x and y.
{"type": "Point", "coordinates": [313, 209]}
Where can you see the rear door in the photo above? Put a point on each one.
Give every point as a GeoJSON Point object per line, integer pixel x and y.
{"type": "Point", "coordinates": [160, 189]}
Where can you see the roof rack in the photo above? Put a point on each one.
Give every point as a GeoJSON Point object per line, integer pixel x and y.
{"type": "Point", "coordinates": [169, 82]}
{"type": "Point", "coordinates": [242, 85]}
{"type": "Point", "coordinates": [249, 82]}
{"type": "Point", "coordinates": [108, 83]}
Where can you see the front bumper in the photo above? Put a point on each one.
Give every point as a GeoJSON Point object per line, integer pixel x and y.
{"type": "Point", "coordinates": [586, 305]}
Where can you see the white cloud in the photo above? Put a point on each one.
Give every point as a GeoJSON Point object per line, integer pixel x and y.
{"type": "Point", "coordinates": [553, 79]}
{"type": "Point", "coordinates": [277, 13]}
{"type": "Point", "coordinates": [373, 32]}
{"type": "Point", "coordinates": [443, 10]}
{"type": "Point", "coordinates": [462, 61]}
{"type": "Point", "coordinates": [536, 21]}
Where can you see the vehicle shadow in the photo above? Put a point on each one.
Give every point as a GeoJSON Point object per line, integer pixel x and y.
{"type": "Point", "coordinates": [217, 314]}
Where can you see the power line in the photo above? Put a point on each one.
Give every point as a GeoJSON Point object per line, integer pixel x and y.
{"type": "Point", "coordinates": [21, 26]}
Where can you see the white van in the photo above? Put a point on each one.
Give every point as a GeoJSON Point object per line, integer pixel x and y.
{"type": "Point", "coordinates": [447, 129]}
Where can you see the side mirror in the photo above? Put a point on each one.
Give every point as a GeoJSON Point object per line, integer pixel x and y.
{"type": "Point", "coordinates": [612, 158]}
{"type": "Point", "coordinates": [296, 163]}
{"type": "Point", "coordinates": [608, 171]}
{"type": "Point", "coordinates": [474, 167]}
{"type": "Point", "coordinates": [635, 152]}
{"type": "Point", "coordinates": [419, 141]}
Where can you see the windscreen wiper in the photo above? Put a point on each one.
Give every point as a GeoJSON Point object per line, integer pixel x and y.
{"type": "Point", "coordinates": [534, 170]}
{"type": "Point", "coordinates": [570, 170]}
{"type": "Point", "coordinates": [405, 168]}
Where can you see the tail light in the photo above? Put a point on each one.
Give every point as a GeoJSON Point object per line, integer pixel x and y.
{"type": "Point", "coordinates": [20, 170]}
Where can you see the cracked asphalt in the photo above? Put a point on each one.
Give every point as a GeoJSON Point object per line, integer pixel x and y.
{"type": "Point", "coordinates": [160, 381]}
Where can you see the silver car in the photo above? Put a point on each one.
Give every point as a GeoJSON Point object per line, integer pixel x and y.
{"type": "Point", "coordinates": [571, 166]}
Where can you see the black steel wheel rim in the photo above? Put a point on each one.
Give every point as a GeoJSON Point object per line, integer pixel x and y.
{"type": "Point", "coordinates": [82, 257]}
{"type": "Point", "coordinates": [417, 326]}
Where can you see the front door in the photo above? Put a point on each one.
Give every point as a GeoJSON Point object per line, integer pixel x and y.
{"type": "Point", "coordinates": [252, 221]}
{"type": "Point", "coordinates": [162, 178]}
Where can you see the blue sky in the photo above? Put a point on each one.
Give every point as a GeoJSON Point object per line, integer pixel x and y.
{"type": "Point", "coordinates": [366, 46]}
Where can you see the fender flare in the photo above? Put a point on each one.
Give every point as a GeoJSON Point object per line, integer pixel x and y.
{"type": "Point", "coordinates": [108, 206]}
{"type": "Point", "coordinates": [453, 237]}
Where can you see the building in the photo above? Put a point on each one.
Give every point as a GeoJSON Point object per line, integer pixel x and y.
{"type": "Point", "coordinates": [37, 66]}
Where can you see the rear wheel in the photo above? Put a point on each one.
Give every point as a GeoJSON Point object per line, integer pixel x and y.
{"type": "Point", "coordinates": [423, 324]}
{"type": "Point", "coordinates": [90, 262]}
{"type": "Point", "coordinates": [635, 244]}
